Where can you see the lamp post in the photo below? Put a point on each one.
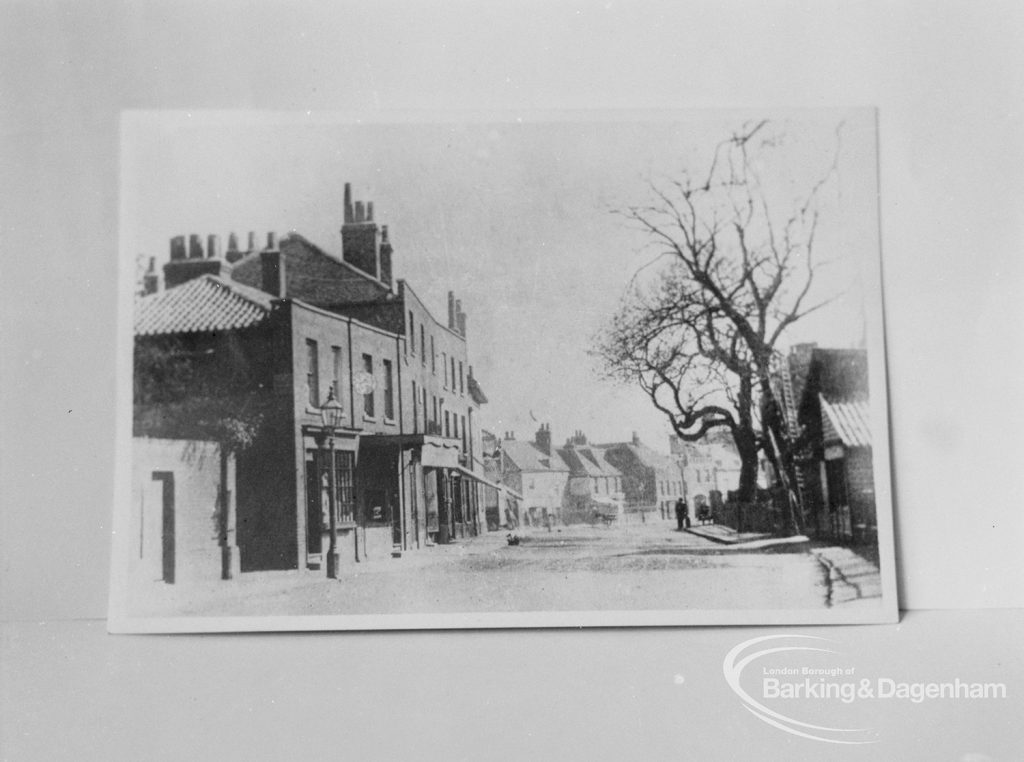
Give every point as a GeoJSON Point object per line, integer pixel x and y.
{"type": "Point", "coordinates": [331, 413]}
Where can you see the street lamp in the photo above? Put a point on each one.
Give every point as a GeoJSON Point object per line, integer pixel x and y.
{"type": "Point", "coordinates": [331, 413]}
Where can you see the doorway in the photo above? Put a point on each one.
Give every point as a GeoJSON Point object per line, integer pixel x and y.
{"type": "Point", "coordinates": [157, 528]}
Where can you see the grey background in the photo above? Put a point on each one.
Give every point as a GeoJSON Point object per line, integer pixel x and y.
{"type": "Point", "coordinates": [947, 80]}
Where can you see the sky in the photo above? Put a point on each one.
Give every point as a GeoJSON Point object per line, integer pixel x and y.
{"type": "Point", "coordinates": [513, 212]}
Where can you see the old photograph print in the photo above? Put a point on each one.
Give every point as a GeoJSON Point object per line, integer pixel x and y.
{"type": "Point", "coordinates": [501, 370]}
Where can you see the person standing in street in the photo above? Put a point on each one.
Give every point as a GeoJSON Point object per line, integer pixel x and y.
{"type": "Point", "coordinates": [680, 514]}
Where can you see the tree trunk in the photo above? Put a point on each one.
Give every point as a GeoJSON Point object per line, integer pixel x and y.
{"type": "Point", "coordinates": [745, 438]}
{"type": "Point", "coordinates": [746, 447]}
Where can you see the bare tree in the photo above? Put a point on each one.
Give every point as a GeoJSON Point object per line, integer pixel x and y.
{"type": "Point", "coordinates": [740, 272]}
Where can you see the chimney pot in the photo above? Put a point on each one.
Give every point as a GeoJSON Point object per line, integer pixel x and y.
{"type": "Point", "coordinates": [360, 211]}
{"type": "Point", "coordinates": [150, 279]}
{"type": "Point", "coordinates": [213, 247]}
{"type": "Point", "coordinates": [195, 247]}
{"type": "Point", "coordinates": [451, 309]}
{"type": "Point", "coordinates": [178, 248]}
{"type": "Point", "coordinates": [233, 254]}
{"type": "Point", "coordinates": [271, 241]}
{"type": "Point", "coordinates": [348, 203]}
{"type": "Point", "coordinates": [369, 211]}
{"type": "Point", "coordinates": [252, 241]}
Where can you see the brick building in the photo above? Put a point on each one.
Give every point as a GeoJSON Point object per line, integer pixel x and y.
{"type": "Point", "coordinates": [248, 346]}
{"type": "Point", "coordinates": [651, 481]}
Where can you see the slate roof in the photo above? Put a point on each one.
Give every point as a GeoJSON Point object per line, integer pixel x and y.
{"type": "Point", "coordinates": [206, 303]}
{"type": "Point", "coordinates": [528, 457]}
{"type": "Point", "coordinates": [645, 456]}
{"type": "Point", "coordinates": [586, 461]}
{"type": "Point", "coordinates": [849, 421]}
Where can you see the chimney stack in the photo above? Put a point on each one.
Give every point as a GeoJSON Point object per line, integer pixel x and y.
{"type": "Point", "coordinates": [543, 438]}
{"type": "Point", "coordinates": [181, 268]}
{"type": "Point", "coordinates": [361, 238]}
{"type": "Point", "coordinates": [385, 253]}
{"type": "Point", "coordinates": [272, 271]}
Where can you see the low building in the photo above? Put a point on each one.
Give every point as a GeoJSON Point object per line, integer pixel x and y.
{"type": "Point", "coordinates": [183, 524]}
{"type": "Point", "coordinates": [836, 454]}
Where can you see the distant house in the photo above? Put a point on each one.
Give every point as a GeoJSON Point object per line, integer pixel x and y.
{"type": "Point", "coordinates": [502, 504]}
{"type": "Point", "coordinates": [651, 481]}
{"type": "Point", "coordinates": [710, 468]}
{"type": "Point", "coordinates": [595, 485]}
{"type": "Point", "coordinates": [537, 472]}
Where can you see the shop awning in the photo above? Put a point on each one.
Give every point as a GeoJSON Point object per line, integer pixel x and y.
{"type": "Point", "coordinates": [434, 455]}
{"type": "Point", "coordinates": [487, 482]}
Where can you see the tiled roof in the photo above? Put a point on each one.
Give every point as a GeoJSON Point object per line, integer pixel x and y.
{"type": "Point", "coordinates": [528, 457]}
{"type": "Point", "coordinates": [207, 303]}
{"type": "Point", "coordinates": [588, 461]}
{"type": "Point", "coordinates": [645, 456]}
{"type": "Point", "coordinates": [849, 421]}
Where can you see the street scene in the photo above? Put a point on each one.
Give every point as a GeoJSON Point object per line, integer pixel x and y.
{"type": "Point", "coordinates": [634, 568]}
{"type": "Point", "coordinates": [503, 368]}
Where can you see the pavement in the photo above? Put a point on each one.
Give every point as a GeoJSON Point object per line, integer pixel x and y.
{"type": "Point", "coordinates": [725, 535]}
{"type": "Point", "coordinates": [852, 578]}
